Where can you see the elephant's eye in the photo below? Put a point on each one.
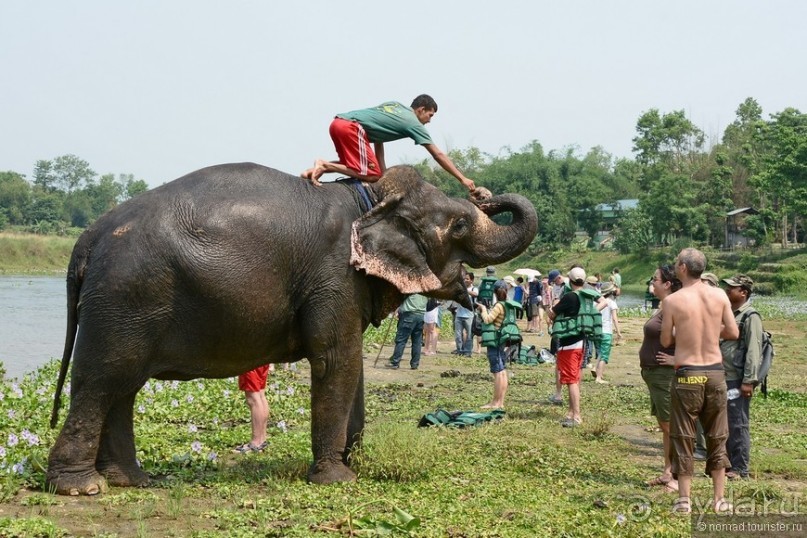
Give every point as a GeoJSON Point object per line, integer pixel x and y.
{"type": "Point", "coordinates": [459, 227]}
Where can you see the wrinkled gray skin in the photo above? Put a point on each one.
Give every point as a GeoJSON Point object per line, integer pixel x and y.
{"type": "Point", "coordinates": [239, 265]}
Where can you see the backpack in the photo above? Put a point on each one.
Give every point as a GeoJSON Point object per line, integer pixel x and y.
{"type": "Point", "coordinates": [738, 360]}
{"type": "Point", "coordinates": [485, 291]}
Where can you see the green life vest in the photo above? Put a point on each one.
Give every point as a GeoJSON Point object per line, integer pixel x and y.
{"type": "Point", "coordinates": [485, 295]}
{"type": "Point", "coordinates": [508, 333]}
{"type": "Point", "coordinates": [587, 322]}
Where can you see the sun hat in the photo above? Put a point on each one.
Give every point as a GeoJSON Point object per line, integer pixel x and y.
{"type": "Point", "coordinates": [510, 280]}
{"type": "Point", "coordinates": [711, 279]}
{"type": "Point", "coordinates": [608, 287]}
{"type": "Point", "coordinates": [490, 270]}
{"type": "Point", "coordinates": [553, 274]}
{"type": "Point", "coordinates": [591, 279]}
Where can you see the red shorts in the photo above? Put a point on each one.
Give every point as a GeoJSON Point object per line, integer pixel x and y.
{"type": "Point", "coordinates": [569, 362]}
{"type": "Point", "coordinates": [353, 148]}
{"type": "Point", "coordinates": [254, 380]}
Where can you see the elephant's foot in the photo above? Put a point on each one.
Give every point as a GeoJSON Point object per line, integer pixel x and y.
{"type": "Point", "coordinates": [123, 476]}
{"type": "Point", "coordinates": [328, 473]}
{"type": "Point", "coordinates": [76, 483]}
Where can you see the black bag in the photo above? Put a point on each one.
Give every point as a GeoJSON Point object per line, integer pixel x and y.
{"type": "Point", "coordinates": [476, 325]}
{"type": "Point", "coordinates": [432, 304]}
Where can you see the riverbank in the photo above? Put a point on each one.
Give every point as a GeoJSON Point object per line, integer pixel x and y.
{"type": "Point", "coordinates": [774, 271]}
{"type": "Point", "coordinates": [31, 254]}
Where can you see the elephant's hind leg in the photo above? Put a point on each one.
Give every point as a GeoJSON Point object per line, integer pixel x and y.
{"type": "Point", "coordinates": [116, 452]}
{"type": "Point", "coordinates": [71, 462]}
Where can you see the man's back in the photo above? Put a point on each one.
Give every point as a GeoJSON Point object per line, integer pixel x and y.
{"type": "Point", "coordinates": [698, 313]}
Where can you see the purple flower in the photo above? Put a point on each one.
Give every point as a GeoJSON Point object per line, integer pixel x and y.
{"type": "Point", "coordinates": [141, 408]}
{"type": "Point", "coordinates": [174, 385]}
{"type": "Point", "coordinates": [301, 410]}
{"type": "Point", "coordinates": [18, 468]}
{"type": "Point", "coordinates": [200, 386]}
{"type": "Point", "coordinates": [174, 403]}
{"type": "Point", "coordinates": [189, 398]}
{"type": "Point", "coordinates": [16, 390]}
{"type": "Point", "coordinates": [192, 428]}
{"type": "Point", "coordinates": [11, 413]}
{"type": "Point", "coordinates": [196, 446]}
{"type": "Point", "coordinates": [12, 440]}
{"type": "Point", "coordinates": [227, 393]}
{"type": "Point", "coordinates": [32, 439]}
{"type": "Point", "coordinates": [2, 451]}
{"type": "Point", "coordinates": [290, 391]}
{"type": "Point", "coordinates": [212, 456]}
{"type": "Point", "coordinates": [282, 426]}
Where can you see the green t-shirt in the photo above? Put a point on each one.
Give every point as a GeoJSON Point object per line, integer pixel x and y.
{"type": "Point", "coordinates": [389, 121]}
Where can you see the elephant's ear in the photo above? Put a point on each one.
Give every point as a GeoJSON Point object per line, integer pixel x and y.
{"type": "Point", "coordinates": [387, 251]}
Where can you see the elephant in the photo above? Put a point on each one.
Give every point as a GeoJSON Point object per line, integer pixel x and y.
{"type": "Point", "coordinates": [238, 265]}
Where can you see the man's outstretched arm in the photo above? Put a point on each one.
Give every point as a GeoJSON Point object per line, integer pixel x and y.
{"type": "Point", "coordinates": [448, 165]}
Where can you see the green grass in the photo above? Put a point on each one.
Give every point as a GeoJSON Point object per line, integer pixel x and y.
{"type": "Point", "coordinates": [34, 254]}
{"type": "Point", "coordinates": [525, 476]}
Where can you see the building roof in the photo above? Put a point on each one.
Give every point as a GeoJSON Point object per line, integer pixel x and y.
{"type": "Point", "coordinates": [749, 210]}
{"type": "Point", "coordinates": [619, 205]}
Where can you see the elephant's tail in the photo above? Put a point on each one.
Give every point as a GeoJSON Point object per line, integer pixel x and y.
{"type": "Point", "coordinates": [75, 276]}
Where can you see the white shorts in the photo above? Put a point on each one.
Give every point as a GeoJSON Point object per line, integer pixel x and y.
{"type": "Point", "coordinates": [431, 316]}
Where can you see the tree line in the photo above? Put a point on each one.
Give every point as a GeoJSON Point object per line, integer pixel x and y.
{"type": "Point", "coordinates": [685, 184]}
{"type": "Point", "coordinates": [64, 193]}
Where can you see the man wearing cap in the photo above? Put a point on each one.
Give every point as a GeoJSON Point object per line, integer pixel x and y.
{"type": "Point", "coordinates": [570, 347]}
{"type": "Point", "coordinates": [557, 284]}
{"type": "Point", "coordinates": [741, 382]}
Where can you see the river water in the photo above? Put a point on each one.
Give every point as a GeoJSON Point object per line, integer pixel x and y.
{"type": "Point", "coordinates": [33, 316]}
{"type": "Point", "coordinates": [33, 319]}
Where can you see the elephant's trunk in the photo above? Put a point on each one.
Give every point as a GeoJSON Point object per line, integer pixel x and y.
{"type": "Point", "coordinates": [495, 243]}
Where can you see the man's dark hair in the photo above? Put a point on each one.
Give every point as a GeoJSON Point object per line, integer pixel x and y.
{"type": "Point", "coordinates": [668, 275]}
{"type": "Point", "coordinates": [471, 275]}
{"type": "Point", "coordinates": [424, 101]}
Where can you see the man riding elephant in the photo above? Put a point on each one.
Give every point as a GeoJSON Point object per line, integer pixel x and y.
{"type": "Point", "coordinates": [238, 265]}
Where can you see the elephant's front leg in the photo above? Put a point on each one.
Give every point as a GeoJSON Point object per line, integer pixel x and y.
{"type": "Point", "coordinates": [335, 379]}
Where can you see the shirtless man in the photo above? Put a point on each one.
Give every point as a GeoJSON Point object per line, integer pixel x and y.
{"type": "Point", "coordinates": [695, 318]}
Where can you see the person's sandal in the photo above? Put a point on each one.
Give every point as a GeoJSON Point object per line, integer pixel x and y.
{"type": "Point", "coordinates": [682, 506]}
{"type": "Point", "coordinates": [249, 447]}
{"type": "Point", "coordinates": [723, 507]}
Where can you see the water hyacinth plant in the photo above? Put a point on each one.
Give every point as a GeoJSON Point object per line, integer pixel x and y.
{"type": "Point", "coordinates": [179, 426]}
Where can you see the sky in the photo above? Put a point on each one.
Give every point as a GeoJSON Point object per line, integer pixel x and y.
{"type": "Point", "coordinates": [159, 88]}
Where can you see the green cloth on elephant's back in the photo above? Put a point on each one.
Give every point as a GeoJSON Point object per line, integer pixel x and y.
{"type": "Point", "coordinates": [389, 121]}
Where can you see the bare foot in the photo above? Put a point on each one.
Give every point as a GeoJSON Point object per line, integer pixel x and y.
{"type": "Point", "coordinates": [492, 406]}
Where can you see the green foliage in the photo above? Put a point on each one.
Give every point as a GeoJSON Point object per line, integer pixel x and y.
{"type": "Point", "coordinates": [64, 192]}
{"type": "Point", "coordinates": [33, 527]}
